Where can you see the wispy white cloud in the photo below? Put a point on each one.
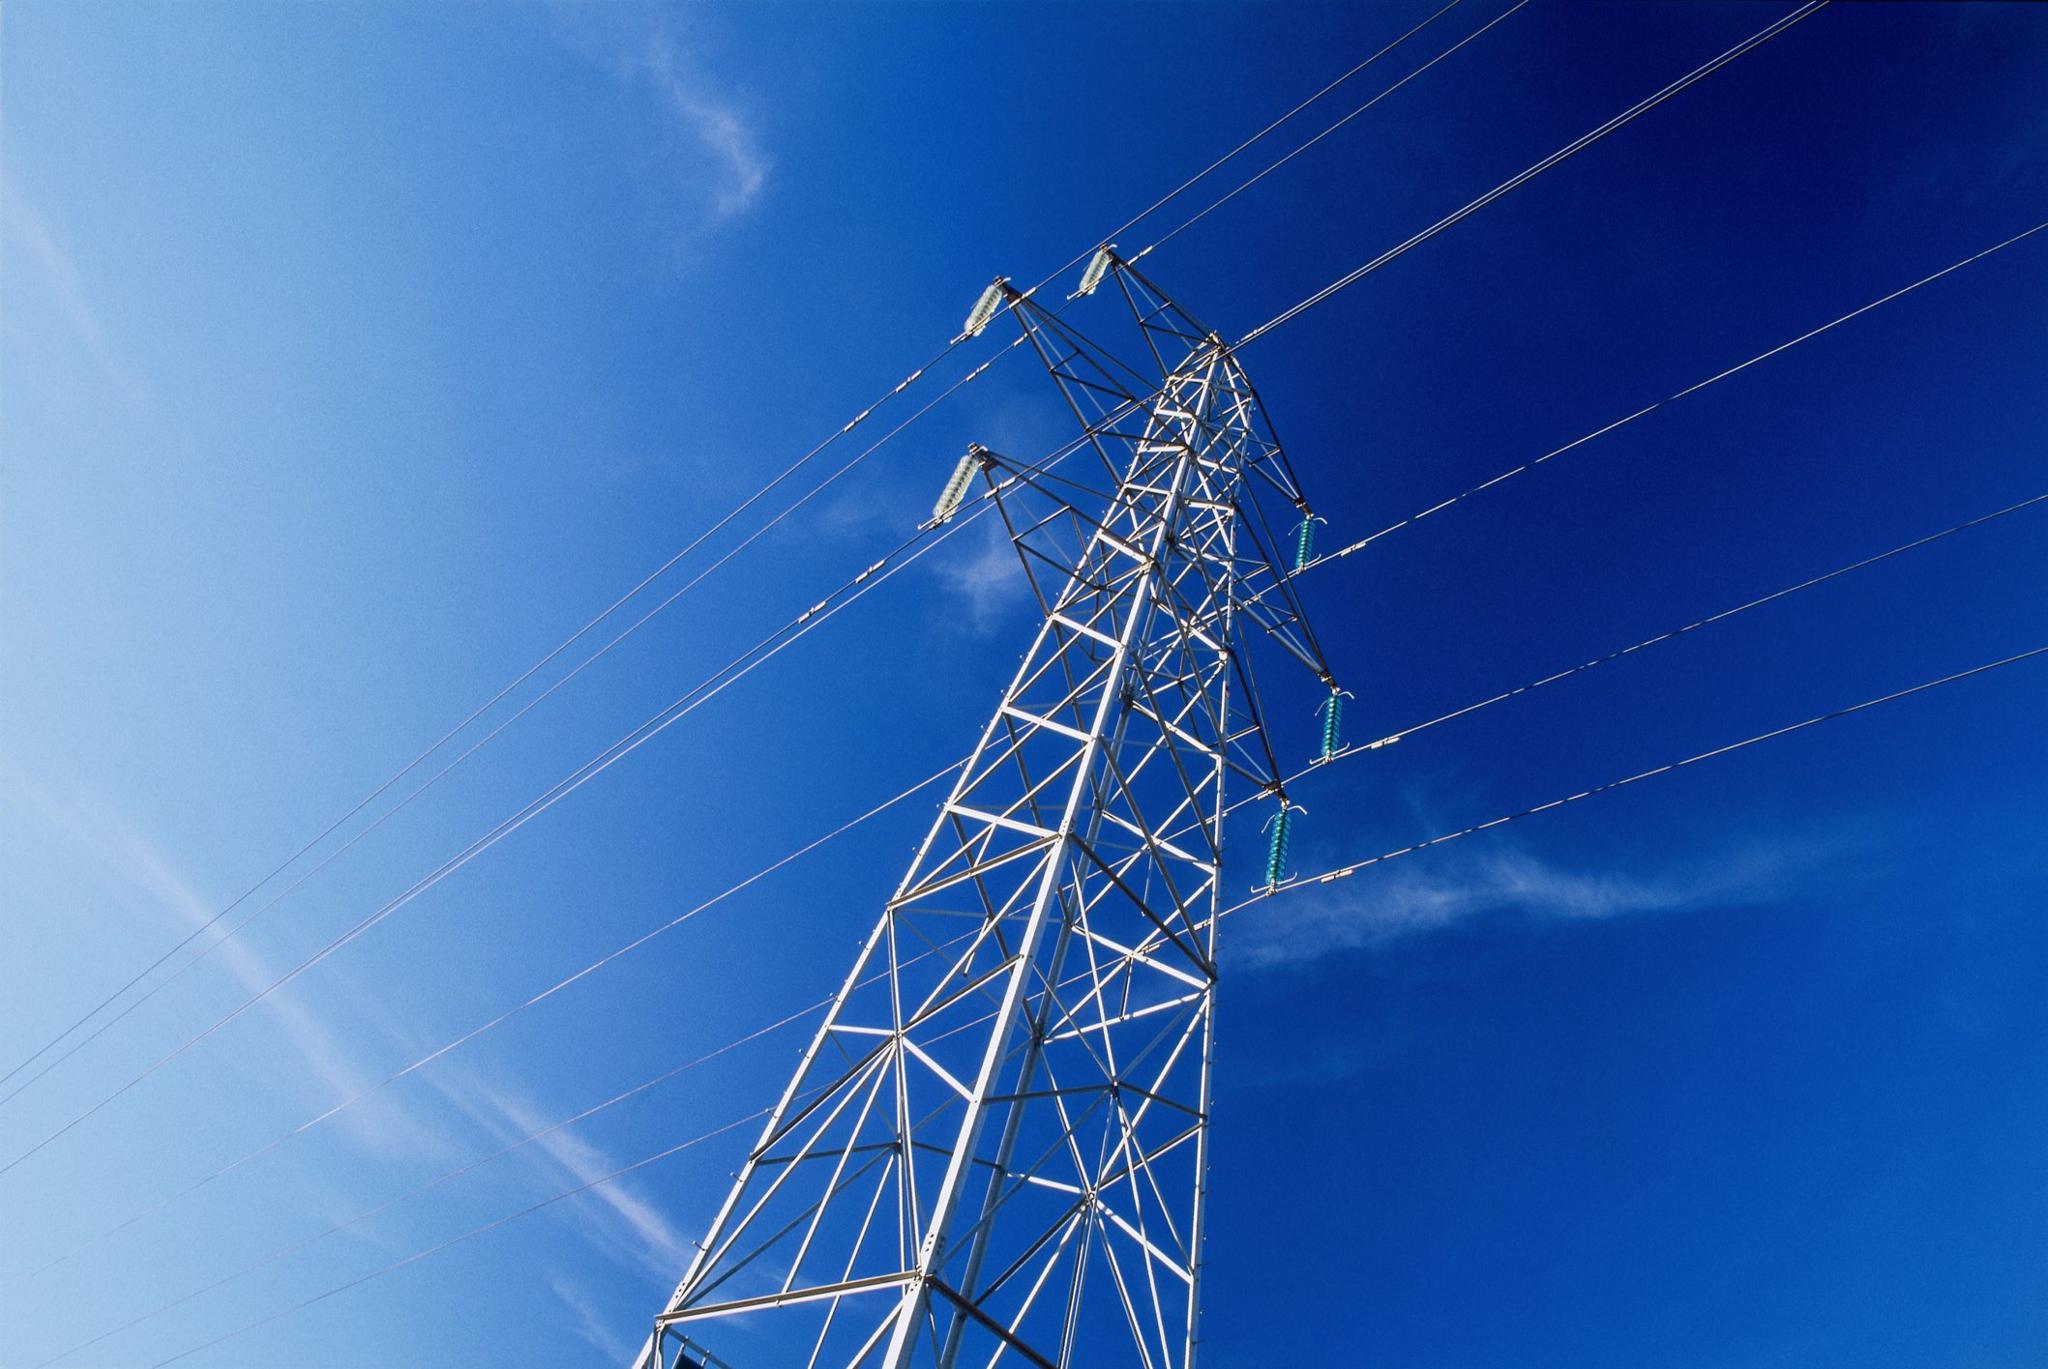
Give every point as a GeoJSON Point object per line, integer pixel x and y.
{"type": "Point", "coordinates": [629, 1225]}
{"type": "Point", "coordinates": [134, 867]}
{"type": "Point", "coordinates": [1408, 899]}
{"type": "Point", "coordinates": [985, 580]}
{"type": "Point", "coordinates": [741, 166]}
{"type": "Point", "coordinates": [981, 570]}
{"type": "Point", "coordinates": [27, 237]}
{"type": "Point", "coordinates": [709, 153]}
{"type": "Point", "coordinates": [589, 1321]}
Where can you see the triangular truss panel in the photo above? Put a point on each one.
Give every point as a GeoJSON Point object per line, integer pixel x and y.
{"type": "Point", "coordinates": [993, 1152]}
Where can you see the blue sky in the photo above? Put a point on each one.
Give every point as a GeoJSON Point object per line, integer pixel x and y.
{"type": "Point", "coordinates": [355, 354]}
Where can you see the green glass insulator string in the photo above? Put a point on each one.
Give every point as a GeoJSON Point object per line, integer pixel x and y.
{"type": "Point", "coordinates": [1276, 853]}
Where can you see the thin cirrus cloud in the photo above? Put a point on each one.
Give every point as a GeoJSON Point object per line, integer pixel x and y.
{"type": "Point", "coordinates": [96, 839]}
{"type": "Point", "coordinates": [133, 870]}
{"type": "Point", "coordinates": [628, 1226]}
{"type": "Point", "coordinates": [588, 1321]}
{"type": "Point", "coordinates": [985, 581]}
{"type": "Point", "coordinates": [28, 238]}
{"type": "Point", "coordinates": [740, 167]}
{"type": "Point", "coordinates": [1382, 906]}
{"type": "Point", "coordinates": [708, 160]}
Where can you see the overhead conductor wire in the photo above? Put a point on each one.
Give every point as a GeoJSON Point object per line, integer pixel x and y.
{"type": "Point", "coordinates": [1345, 871]}
{"type": "Point", "coordinates": [519, 1143]}
{"type": "Point", "coordinates": [1284, 887]}
{"type": "Point", "coordinates": [1600, 789]}
{"type": "Point", "coordinates": [1345, 753]}
{"type": "Point", "coordinates": [659, 722]}
{"type": "Point", "coordinates": [1285, 316]}
{"type": "Point", "coordinates": [604, 762]}
{"type": "Point", "coordinates": [500, 1019]}
{"type": "Point", "coordinates": [389, 781]}
{"type": "Point", "coordinates": [389, 813]}
{"type": "Point", "coordinates": [447, 1176]}
{"type": "Point", "coordinates": [1577, 145]}
{"type": "Point", "coordinates": [1672, 634]}
{"type": "Point", "coordinates": [901, 386]}
{"type": "Point", "coordinates": [905, 554]}
{"type": "Point", "coordinates": [1672, 398]}
{"type": "Point", "coordinates": [1245, 185]}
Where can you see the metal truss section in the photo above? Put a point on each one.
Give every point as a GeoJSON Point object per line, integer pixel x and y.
{"type": "Point", "coordinates": [995, 1148]}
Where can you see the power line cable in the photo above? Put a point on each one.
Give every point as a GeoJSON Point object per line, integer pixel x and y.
{"type": "Point", "coordinates": [387, 784]}
{"type": "Point", "coordinates": [1345, 871]}
{"type": "Point", "coordinates": [708, 689]}
{"type": "Point", "coordinates": [613, 1177]}
{"type": "Point", "coordinates": [1345, 753]}
{"type": "Point", "coordinates": [1216, 165]}
{"type": "Point", "coordinates": [1708, 621]}
{"type": "Point", "coordinates": [597, 766]}
{"type": "Point", "coordinates": [1577, 145]}
{"type": "Point", "coordinates": [389, 813]}
{"type": "Point", "coordinates": [1243, 186]}
{"type": "Point", "coordinates": [500, 1019]}
{"type": "Point", "coordinates": [1287, 886]}
{"type": "Point", "coordinates": [286, 1252]}
{"type": "Point", "coordinates": [1672, 398]}
{"type": "Point", "coordinates": [468, 1166]}
{"type": "Point", "coordinates": [852, 591]}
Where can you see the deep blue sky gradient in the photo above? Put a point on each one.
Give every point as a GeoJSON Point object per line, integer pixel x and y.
{"type": "Point", "coordinates": [354, 354]}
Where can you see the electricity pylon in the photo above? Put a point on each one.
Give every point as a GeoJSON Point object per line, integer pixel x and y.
{"type": "Point", "coordinates": [994, 1150]}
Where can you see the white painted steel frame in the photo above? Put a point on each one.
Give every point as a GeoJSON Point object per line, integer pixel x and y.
{"type": "Point", "coordinates": [994, 1150]}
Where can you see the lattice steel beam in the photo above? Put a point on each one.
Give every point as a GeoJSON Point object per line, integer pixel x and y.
{"type": "Point", "coordinates": [994, 1150]}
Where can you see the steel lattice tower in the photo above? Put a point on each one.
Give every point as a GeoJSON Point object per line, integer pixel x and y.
{"type": "Point", "coordinates": [994, 1150]}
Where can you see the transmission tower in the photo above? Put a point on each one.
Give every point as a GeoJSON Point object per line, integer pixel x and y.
{"type": "Point", "coordinates": [994, 1150]}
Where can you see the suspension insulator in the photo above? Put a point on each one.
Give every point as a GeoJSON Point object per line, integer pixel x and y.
{"type": "Point", "coordinates": [1098, 267]}
{"type": "Point", "coordinates": [1304, 542]}
{"type": "Point", "coordinates": [1333, 715]}
{"type": "Point", "coordinates": [1276, 854]}
{"type": "Point", "coordinates": [985, 308]}
{"type": "Point", "coordinates": [955, 491]}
